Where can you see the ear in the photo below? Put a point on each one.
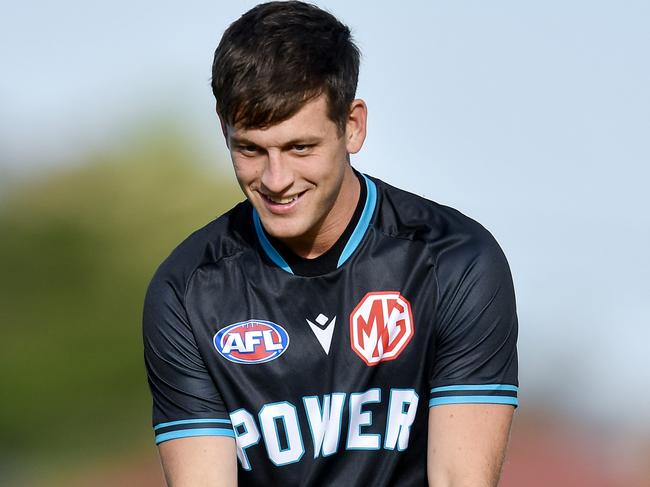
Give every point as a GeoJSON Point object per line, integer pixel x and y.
{"type": "Point", "coordinates": [224, 129]}
{"type": "Point", "coordinates": [355, 128]}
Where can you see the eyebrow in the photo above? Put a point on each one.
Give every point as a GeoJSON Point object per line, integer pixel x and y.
{"type": "Point", "coordinates": [241, 141]}
{"type": "Point", "coordinates": [307, 140]}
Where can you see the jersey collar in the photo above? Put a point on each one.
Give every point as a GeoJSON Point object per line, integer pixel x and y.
{"type": "Point", "coordinates": [352, 244]}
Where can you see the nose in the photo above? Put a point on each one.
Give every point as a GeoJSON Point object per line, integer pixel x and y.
{"type": "Point", "coordinates": [277, 176]}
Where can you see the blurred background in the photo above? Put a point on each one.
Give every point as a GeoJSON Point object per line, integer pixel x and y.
{"type": "Point", "coordinates": [533, 118]}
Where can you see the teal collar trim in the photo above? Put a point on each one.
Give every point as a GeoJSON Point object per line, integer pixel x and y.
{"type": "Point", "coordinates": [266, 245]}
{"type": "Point", "coordinates": [353, 241]}
{"type": "Point", "coordinates": [362, 225]}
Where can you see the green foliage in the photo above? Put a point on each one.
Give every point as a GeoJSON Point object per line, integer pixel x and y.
{"type": "Point", "coordinates": [77, 250]}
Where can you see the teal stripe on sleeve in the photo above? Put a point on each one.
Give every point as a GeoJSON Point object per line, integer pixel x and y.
{"type": "Point", "coordinates": [191, 421]}
{"type": "Point", "coordinates": [478, 387]}
{"type": "Point", "coordinates": [172, 435]}
{"type": "Point", "coordinates": [437, 401]}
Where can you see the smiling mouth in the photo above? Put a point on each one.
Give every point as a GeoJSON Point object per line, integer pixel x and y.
{"type": "Point", "coordinates": [278, 200]}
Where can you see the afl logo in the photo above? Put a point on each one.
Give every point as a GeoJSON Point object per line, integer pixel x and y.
{"type": "Point", "coordinates": [251, 342]}
{"type": "Point", "coordinates": [381, 326]}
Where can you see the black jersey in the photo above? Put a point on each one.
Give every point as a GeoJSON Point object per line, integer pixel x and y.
{"type": "Point", "coordinates": [328, 379]}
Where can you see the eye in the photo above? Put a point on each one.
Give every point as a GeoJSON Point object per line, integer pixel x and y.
{"type": "Point", "coordinates": [248, 150]}
{"type": "Point", "coordinates": [301, 148]}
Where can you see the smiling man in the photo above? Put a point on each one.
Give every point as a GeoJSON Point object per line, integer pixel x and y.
{"type": "Point", "coordinates": [297, 174]}
{"type": "Point", "coordinates": [331, 329]}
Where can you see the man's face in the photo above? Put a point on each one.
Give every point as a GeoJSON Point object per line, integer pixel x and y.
{"type": "Point", "coordinates": [296, 173]}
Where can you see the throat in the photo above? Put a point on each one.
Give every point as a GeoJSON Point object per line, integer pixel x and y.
{"type": "Point", "coordinates": [327, 258]}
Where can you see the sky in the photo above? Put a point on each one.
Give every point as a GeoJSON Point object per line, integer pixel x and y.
{"type": "Point", "coordinates": [531, 117]}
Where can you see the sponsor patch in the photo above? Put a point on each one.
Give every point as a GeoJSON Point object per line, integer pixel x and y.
{"type": "Point", "coordinates": [251, 342]}
{"type": "Point", "coordinates": [381, 326]}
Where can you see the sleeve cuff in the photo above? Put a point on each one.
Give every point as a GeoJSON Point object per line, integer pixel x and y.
{"type": "Point", "coordinates": [474, 394]}
{"type": "Point", "coordinates": [186, 428]}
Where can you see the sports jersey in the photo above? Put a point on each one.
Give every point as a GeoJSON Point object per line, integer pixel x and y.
{"type": "Point", "coordinates": [327, 378]}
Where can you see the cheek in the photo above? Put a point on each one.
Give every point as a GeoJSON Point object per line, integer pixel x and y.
{"type": "Point", "coordinates": [330, 177]}
{"type": "Point", "coordinates": [246, 172]}
{"type": "Point", "coordinates": [331, 165]}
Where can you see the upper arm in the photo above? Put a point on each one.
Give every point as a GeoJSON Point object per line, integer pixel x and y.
{"type": "Point", "coordinates": [474, 381]}
{"type": "Point", "coordinates": [467, 444]}
{"type": "Point", "coordinates": [191, 424]}
{"type": "Point", "coordinates": [204, 461]}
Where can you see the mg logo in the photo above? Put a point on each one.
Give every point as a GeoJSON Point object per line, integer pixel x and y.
{"type": "Point", "coordinates": [381, 326]}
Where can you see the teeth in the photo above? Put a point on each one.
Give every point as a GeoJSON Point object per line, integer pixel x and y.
{"type": "Point", "coordinates": [282, 201]}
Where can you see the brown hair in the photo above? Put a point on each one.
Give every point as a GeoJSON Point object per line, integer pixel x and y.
{"type": "Point", "coordinates": [279, 55]}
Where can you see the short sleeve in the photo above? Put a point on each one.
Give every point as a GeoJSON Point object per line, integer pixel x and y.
{"type": "Point", "coordinates": [186, 401]}
{"type": "Point", "coordinates": [476, 325]}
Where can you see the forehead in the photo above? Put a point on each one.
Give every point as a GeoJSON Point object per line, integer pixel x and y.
{"type": "Point", "coordinates": [311, 121]}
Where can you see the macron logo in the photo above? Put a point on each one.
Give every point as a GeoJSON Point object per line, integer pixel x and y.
{"type": "Point", "coordinates": [323, 329]}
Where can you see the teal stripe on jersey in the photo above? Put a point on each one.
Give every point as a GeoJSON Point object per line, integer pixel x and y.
{"type": "Point", "coordinates": [191, 421]}
{"type": "Point", "coordinates": [437, 401]}
{"type": "Point", "coordinates": [479, 387]}
{"type": "Point", "coordinates": [266, 245]}
{"type": "Point", "coordinates": [364, 221]}
{"type": "Point", "coordinates": [172, 435]}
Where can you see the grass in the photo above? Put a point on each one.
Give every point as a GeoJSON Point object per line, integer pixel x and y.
{"type": "Point", "coordinates": [77, 249]}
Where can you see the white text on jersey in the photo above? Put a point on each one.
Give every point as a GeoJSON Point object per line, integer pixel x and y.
{"type": "Point", "coordinates": [325, 418]}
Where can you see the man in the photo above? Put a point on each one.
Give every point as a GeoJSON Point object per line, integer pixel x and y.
{"type": "Point", "coordinates": [331, 329]}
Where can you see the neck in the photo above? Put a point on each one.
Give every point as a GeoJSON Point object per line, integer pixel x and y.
{"type": "Point", "coordinates": [325, 235]}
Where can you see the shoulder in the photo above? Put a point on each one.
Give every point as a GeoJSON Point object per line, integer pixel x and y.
{"type": "Point", "coordinates": [451, 237]}
{"type": "Point", "coordinates": [224, 237]}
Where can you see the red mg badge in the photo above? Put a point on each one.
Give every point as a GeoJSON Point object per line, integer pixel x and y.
{"type": "Point", "coordinates": [381, 326]}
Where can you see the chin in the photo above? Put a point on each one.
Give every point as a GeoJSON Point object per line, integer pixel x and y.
{"type": "Point", "coordinates": [283, 229]}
